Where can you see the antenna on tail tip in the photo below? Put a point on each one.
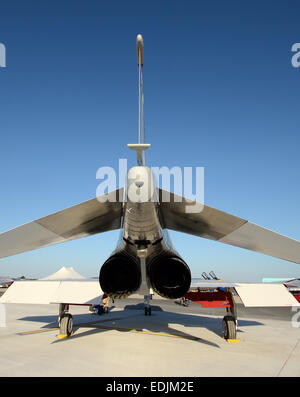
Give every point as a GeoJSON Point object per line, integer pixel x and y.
{"type": "Point", "coordinates": [140, 49]}
{"type": "Point", "coordinates": [140, 147]}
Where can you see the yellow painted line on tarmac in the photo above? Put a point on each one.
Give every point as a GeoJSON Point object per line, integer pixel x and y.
{"type": "Point", "coordinates": [112, 329]}
{"type": "Point", "coordinates": [55, 329]}
{"type": "Point", "coordinates": [161, 334]}
{"type": "Point", "coordinates": [61, 336]}
{"type": "Point", "coordinates": [147, 332]}
{"type": "Point", "coordinates": [190, 337]}
{"type": "Point", "coordinates": [40, 331]}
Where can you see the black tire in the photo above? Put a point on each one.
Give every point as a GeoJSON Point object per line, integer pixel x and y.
{"type": "Point", "coordinates": [229, 327]}
{"type": "Point", "coordinates": [100, 310]}
{"type": "Point", "coordinates": [66, 324]}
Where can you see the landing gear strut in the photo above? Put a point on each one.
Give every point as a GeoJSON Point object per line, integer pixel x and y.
{"type": "Point", "coordinates": [147, 304]}
{"type": "Point", "coordinates": [230, 323]}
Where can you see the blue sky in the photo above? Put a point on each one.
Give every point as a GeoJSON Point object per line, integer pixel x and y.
{"type": "Point", "coordinates": [220, 92]}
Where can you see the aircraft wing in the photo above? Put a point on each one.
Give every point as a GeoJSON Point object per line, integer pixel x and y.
{"type": "Point", "coordinates": [85, 219]}
{"type": "Point", "coordinates": [251, 294]}
{"type": "Point", "coordinates": [42, 292]}
{"type": "Point", "coordinates": [220, 226]}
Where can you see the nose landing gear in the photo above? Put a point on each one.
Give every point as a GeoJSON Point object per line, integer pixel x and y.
{"type": "Point", "coordinates": [147, 311]}
{"type": "Point", "coordinates": [147, 304]}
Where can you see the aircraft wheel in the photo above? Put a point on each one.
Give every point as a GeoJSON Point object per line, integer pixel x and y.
{"type": "Point", "coordinates": [229, 327]}
{"type": "Point", "coordinates": [66, 324]}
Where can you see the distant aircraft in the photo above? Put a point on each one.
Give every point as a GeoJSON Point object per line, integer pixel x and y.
{"type": "Point", "coordinates": [145, 259]}
{"type": "Point", "coordinates": [5, 282]}
{"type": "Point", "coordinates": [292, 284]}
{"type": "Point", "coordinates": [293, 287]}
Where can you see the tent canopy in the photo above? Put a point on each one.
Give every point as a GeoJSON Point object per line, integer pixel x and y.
{"type": "Point", "coordinates": [65, 273]}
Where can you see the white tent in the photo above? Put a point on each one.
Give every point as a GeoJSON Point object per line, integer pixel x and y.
{"type": "Point", "coordinates": [65, 273]}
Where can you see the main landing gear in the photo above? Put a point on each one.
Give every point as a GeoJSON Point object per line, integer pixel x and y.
{"type": "Point", "coordinates": [229, 327]}
{"type": "Point", "coordinates": [65, 321]}
{"type": "Point", "coordinates": [230, 324]}
{"type": "Point", "coordinates": [218, 298]}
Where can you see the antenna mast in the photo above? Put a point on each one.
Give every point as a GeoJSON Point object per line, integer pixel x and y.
{"type": "Point", "coordinates": [140, 59]}
{"type": "Point", "coordinates": [141, 146]}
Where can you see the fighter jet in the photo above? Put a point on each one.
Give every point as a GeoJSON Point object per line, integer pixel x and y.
{"type": "Point", "coordinates": [145, 260]}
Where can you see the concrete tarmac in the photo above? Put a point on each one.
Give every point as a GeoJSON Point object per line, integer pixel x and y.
{"type": "Point", "coordinates": [173, 341]}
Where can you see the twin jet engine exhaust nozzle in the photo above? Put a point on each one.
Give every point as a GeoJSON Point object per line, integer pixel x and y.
{"type": "Point", "coordinates": [168, 275]}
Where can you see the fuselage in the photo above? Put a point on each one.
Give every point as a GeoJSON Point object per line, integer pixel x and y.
{"type": "Point", "coordinates": [144, 258]}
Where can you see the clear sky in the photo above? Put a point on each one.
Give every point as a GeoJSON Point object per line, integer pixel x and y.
{"type": "Point", "coordinates": [220, 92]}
